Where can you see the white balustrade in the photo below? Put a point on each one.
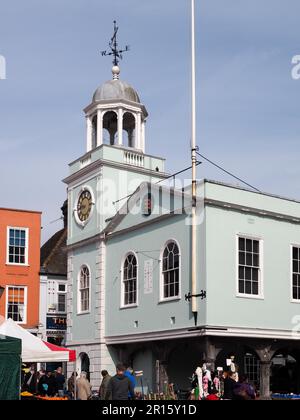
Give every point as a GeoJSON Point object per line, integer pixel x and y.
{"type": "Point", "coordinates": [134, 159]}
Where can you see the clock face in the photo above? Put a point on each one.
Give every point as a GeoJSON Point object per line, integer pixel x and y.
{"type": "Point", "coordinates": [84, 205]}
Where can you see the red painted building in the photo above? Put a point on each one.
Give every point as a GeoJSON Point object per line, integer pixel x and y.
{"type": "Point", "coordinates": [20, 237]}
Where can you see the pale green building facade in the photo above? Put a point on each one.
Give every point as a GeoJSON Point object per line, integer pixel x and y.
{"type": "Point", "coordinates": [129, 263]}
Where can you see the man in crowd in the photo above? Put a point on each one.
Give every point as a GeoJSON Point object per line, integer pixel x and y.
{"type": "Point", "coordinates": [120, 387]}
{"type": "Point", "coordinates": [103, 393]}
{"type": "Point", "coordinates": [59, 380]}
{"type": "Point", "coordinates": [130, 375]}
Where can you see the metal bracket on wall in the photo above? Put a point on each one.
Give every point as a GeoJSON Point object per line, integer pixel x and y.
{"type": "Point", "coordinates": [202, 295]}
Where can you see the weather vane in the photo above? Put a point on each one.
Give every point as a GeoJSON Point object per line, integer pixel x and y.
{"type": "Point", "coordinates": [113, 45]}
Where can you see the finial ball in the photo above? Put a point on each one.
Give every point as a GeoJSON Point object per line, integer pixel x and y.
{"type": "Point", "coordinates": [115, 70]}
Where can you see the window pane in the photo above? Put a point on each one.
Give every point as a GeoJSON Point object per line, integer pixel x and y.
{"type": "Point", "coordinates": [248, 288]}
{"type": "Point", "coordinates": [249, 259]}
{"type": "Point", "coordinates": [241, 244]}
{"type": "Point", "coordinates": [130, 280]}
{"type": "Point", "coordinates": [172, 289]}
{"type": "Point", "coordinates": [61, 303]}
{"type": "Point", "coordinates": [296, 286]}
{"type": "Point", "coordinates": [256, 247]}
{"type": "Point", "coordinates": [17, 246]}
{"type": "Point", "coordinates": [84, 287]}
{"type": "Point", "coordinates": [171, 267]}
{"type": "Point", "coordinates": [295, 253]}
{"type": "Point", "coordinates": [254, 274]}
{"type": "Point", "coordinates": [242, 258]}
{"type": "Point", "coordinates": [295, 292]}
{"type": "Point", "coordinates": [255, 288]}
{"type": "Point", "coordinates": [249, 245]}
{"type": "Point", "coordinates": [248, 273]}
{"type": "Point", "coordinates": [176, 261]}
{"type": "Point", "coordinates": [241, 286]}
{"type": "Point", "coordinates": [249, 266]}
{"type": "Point", "coordinates": [16, 304]}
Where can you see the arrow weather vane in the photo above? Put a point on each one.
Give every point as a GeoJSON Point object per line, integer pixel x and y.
{"type": "Point", "coordinates": [113, 45]}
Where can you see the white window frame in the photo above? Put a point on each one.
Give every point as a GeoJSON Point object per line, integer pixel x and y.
{"type": "Point", "coordinates": [79, 311]}
{"type": "Point", "coordinates": [61, 293]}
{"type": "Point", "coordinates": [260, 295]}
{"type": "Point", "coordinates": [25, 302]}
{"type": "Point", "coordinates": [162, 299]}
{"type": "Point", "coordinates": [26, 229]}
{"type": "Point", "coordinates": [291, 272]}
{"type": "Point", "coordinates": [122, 303]}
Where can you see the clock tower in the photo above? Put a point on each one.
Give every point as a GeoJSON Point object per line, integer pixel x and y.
{"type": "Point", "coordinates": [114, 165]}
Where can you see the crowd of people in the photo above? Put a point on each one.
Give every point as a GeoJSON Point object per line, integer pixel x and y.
{"type": "Point", "coordinates": [224, 385]}
{"type": "Point", "coordinates": [239, 389]}
{"type": "Point", "coordinates": [221, 385]}
{"type": "Point", "coordinates": [51, 384]}
{"type": "Point", "coordinates": [44, 382]}
{"type": "Point", "coordinates": [118, 387]}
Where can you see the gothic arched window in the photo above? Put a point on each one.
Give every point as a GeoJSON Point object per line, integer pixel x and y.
{"type": "Point", "coordinates": [129, 281]}
{"type": "Point", "coordinates": [84, 289]}
{"type": "Point", "coordinates": [171, 271]}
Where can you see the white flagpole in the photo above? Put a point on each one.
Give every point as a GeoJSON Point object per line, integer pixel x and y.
{"type": "Point", "coordinates": [194, 169]}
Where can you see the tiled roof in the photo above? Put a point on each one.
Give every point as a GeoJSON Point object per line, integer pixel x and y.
{"type": "Point", "coordinates": [54, 254]}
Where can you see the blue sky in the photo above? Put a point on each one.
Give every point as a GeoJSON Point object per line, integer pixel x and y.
{"type": "Point", "coordinates": [248, 103]}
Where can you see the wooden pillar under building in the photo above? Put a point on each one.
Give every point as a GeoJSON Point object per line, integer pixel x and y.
{"type": "Point", "coordinates": [265, 374]}
{"type": "Point", "coordinates": [163, 376]}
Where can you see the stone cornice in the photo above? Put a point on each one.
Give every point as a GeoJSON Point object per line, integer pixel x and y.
{"type": "Point", "coordinates": [103, 162]}
{"type": "Point", "coordinates": [252, 210]}
{"type": "Point", "coordinates": [202, 331]}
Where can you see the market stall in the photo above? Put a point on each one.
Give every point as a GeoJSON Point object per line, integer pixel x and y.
{"type": "Point", "coordinates": [35, 350]}
{"type": "Point", "coordinates": [10, 367]}
{"type": "Point", "coordinates": [31, 350]}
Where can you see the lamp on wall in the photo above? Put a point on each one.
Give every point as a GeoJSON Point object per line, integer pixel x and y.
{"type": "Point", "coordinates": [2, 290]}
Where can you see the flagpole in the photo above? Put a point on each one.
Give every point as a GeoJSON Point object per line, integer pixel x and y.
{"type": "Point", "coordinates": [194, 168]}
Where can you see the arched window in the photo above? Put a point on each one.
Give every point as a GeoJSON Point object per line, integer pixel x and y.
{"type": "Point", "coordinates": [110, 126]}
{"type": "Point", "coordinates": [84, 364]}
{"type": "Point", "coordinates": [94, 132]}
{"type": "Point", "coordinates": [170, 271]}
{"type": "Point", "coordinates": [84, 289]}
{"type": "Point", "coordinates": [130, 280]}
{"type": "Point", "coordinates": [129, 130]}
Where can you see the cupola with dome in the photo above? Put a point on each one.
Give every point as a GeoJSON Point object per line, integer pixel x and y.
{"type": "Point", "coordinates": [116, 116]}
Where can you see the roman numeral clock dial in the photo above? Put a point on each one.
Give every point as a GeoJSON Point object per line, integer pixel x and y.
{"type": "Point", "coordinates": [84, 206]}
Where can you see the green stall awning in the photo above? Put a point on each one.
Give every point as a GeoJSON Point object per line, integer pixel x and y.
{"type": "Point", "coordinates": [10, 367]}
